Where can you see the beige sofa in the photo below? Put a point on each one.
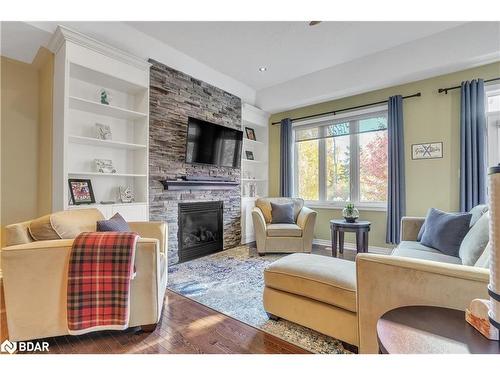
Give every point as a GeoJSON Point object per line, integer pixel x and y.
{"type": "Point", "coordinates": [283, 238]}
{"type": "Point", "coordinates": [344, 299]}
{"type": "Point", "coordinates": [35, 273]}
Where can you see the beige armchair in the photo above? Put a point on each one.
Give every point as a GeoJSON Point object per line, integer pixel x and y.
{"type": "Point", "coordinates": [283, 238]}
{"type": "Point", "coordinates": [35, 274]}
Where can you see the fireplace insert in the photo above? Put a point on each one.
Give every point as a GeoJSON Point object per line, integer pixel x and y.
{"type": "Point", "coordinates": [200, 229]}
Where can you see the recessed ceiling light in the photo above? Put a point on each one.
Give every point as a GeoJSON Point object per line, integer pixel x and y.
{"type": "Point", "coordinates": [262, 69]}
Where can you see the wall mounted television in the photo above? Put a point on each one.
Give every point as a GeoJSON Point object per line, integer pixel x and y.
{"type": "Point", "coordinates": [213, 144]}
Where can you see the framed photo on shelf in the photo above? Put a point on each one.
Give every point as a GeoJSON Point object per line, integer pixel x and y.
{"type": "Point", "coordinates": [81, 191]}
{"type": "Point", "coordinates": [249, 155]}
{"type": "Point", "coordinates": [250, 134]}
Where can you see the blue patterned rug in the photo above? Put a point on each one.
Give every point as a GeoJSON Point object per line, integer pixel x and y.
{"type": "Point", "coordinates": [232, 282]}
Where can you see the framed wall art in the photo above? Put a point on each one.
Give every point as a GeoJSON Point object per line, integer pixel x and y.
{"type": "Point", "coordinates": [427, 151]}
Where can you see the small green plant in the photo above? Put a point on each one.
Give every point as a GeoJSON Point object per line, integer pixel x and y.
{"type": "Point", "coordinates": [349, 208]}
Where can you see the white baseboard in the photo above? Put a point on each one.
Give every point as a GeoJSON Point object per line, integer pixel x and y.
{"type": "Point", "coordinates": [352, 246]}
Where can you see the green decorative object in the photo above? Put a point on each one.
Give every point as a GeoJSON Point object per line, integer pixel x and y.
{"type": "Point", "coordinates": [350, 213]}
{"type": "Point", "coordinates": [105, 97]}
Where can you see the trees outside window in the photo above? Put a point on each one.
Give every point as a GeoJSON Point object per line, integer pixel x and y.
{"type": "Point", "coordinates": [339, 162]}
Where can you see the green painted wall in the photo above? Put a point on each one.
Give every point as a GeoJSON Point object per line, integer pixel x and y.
{"type": "Point", "coordinates": [431, 118]}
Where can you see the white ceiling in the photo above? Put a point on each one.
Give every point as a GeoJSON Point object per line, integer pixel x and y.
{"type": "Point", "coordinates": [306, 65]}
{"type": "Point", "coordinates": [288, 49]}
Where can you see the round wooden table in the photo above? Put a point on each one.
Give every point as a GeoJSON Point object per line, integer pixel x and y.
{"type": "Point", "coordinates": [339, 227]}
{"type": "Point", "coordinates": [430, 330]}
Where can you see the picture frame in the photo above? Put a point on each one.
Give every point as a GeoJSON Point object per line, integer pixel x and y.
{"type": "Point", "coordinates": [104, 166]}
{"type": "Point", "coordinates": [81, 191]}
{"type": "Point", "coordinates": [249, 155]}
{"type": "Point", "coordinates": [103, 132]}
{"type": "Point", "coordinates": [425, 151]}
{"type": "Point", "coordinates": [250, 134]}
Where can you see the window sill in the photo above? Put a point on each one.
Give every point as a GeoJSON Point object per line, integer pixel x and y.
{"type": "Point", "coordinates": [334, 206]}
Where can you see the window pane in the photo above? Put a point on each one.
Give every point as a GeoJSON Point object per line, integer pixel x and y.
{"type": "Point", "coordinates": [372, 123]}
{"type": "Point", "coordinates": [373, 166]}
{"type": "Point", "coordinates": [493, 103]}
{"type": "Point", "coordinates": [307, 170]}
{"type": "Point", "coordinates": [337, 168]}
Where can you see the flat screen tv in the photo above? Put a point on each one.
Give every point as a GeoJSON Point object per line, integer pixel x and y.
{"type": "Point", "coordinates": [209, 143]}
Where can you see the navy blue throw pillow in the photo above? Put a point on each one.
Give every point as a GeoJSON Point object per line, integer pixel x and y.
{"type": "Point", "coordinates": [445, 231]}
{"type": "Point", "coordinates": [115, 224]}
{"type": "Point", "coordinates": [282, 213]}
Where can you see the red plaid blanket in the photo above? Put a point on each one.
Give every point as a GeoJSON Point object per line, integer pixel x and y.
{"type": "Point", "coordinates": [100, 270]}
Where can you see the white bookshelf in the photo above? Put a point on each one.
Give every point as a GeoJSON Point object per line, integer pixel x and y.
{"type": "Point", "coordinates": [253, 172]}
{"type": "Point", "coordinates": [83, 66]}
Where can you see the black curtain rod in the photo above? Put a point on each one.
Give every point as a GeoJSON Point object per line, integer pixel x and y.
{"type": "Point", "coordinates": [446, 89]}
{"type": "Point", "coordinates": [347, 109]}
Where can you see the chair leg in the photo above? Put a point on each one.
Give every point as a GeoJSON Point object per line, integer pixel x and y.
{"type": "Point", "coordinates": [272, 316]}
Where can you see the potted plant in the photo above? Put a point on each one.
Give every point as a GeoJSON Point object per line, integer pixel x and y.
{"type": "Point", "coordinates": [350, 213]}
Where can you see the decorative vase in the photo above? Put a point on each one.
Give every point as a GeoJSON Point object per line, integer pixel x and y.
{"type": "Point", "coordinates": [350, 213]}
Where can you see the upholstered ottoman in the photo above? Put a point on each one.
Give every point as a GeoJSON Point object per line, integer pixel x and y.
{"type": "Point", "coordinates": [315, 291]}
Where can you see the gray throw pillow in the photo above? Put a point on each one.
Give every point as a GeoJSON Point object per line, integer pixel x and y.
{"type": "Point", "coordinates": [445, 231]}
{"type": "Point", "coordinates": [475, 241]}
{"type": "Point", "coordinates": [115, 224]}
{"type": "Point", "coordinates": [484, 259]}
{"type": "Point", "coordinates": [282, 213]}
{"type": "Point", "coordinates": [477, 212]}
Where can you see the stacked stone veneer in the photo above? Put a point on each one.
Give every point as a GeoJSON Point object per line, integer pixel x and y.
{"type": "Point", "coordinates": [173, 97]}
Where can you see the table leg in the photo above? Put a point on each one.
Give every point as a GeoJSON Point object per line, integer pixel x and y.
{"type": "Point", "coordinates": [334, 242]}
{"type": "Point", "coordinates": [341, 242]}
{"type": "Point", "coordinates": [365, 242]}
{"type": "Point", "coordinates": [359, 241]}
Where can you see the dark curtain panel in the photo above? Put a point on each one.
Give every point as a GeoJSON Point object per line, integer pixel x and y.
{"type": "Point", "coordinates": [396, 199]}
{"type": "Point", "coordinates": [286, 173]}
{"type": "Point", "coordinates": [472, 145]}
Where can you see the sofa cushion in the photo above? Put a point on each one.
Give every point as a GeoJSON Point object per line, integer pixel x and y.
{"type": "Point", "coordinates": [264, 204]}
{"type": "Point", "coordinates": [475, 241]}
{"type": "Point", "coordinates": [284, 230]}
{"type": "Point", "coordinates": [325, 279]}
{"type": "Point", "coordinates": [64, 224]}
{"type": "Point", "coordinates": [282, 213]}
{"type": "Point", "coordinates": [115, 224]}
{"type": "Point", "coordinates": [426, 255]}
{"type": "Point", "coordinates": [477, 212]}
{"type": "Point", "coordinates": [445, 231]}
{"type": "Point", "coordinates": [484, 259]}
{"type": "Point", "coordinates": [413, 245]}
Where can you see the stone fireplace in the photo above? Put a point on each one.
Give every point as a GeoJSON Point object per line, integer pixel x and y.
{"type": "Point", "coordinates": [200, 229]}
{"type": "Point", "coordinates": [174, 96]}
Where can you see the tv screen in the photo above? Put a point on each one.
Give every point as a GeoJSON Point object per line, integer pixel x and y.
{"type": "Point", "coordinates": [214, 144]}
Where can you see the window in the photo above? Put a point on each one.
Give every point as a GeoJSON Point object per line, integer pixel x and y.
{"type": "Point", "coordinates": [342, 159]}
{"type": "Point", "coordinates": [493, 123]}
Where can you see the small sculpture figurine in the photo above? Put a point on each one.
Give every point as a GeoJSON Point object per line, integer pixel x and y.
{"type": "Point", "coordinates": [105, 97]}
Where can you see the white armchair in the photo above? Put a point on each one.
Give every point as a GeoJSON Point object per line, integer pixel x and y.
{"type": "Point", "coordinates": [283, 238]}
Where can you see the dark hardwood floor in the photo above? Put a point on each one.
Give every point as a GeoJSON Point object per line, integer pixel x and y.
{"type": "Point", "coordinates": [327, 251]}
{"type": "Point", "coordinates": [186, 327]}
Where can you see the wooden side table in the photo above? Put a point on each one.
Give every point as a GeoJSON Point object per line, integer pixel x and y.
{"type": "Point", "coordinates": [339, 227]}
{"type": "Point", "coordinates": [430, 330]}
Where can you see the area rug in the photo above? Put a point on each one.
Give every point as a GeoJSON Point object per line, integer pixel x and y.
{"type": "Point", "coordinates": [232, 283]}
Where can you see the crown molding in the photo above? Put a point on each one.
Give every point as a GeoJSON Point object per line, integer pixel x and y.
{"type": "Point", "coordinates": [64, 34]}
